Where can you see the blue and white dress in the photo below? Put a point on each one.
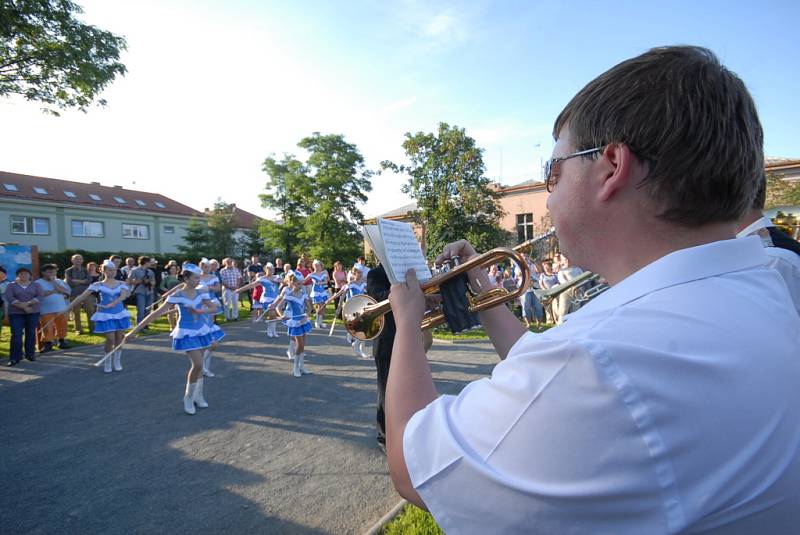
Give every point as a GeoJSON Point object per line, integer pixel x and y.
{"type": "Point", "coordinates": [193, 330]}
{"type": "Point", "coordinates": [270, 294]}
{"type": "Point", "coordinates": [319, 294]}
{"type": "Point", "coordinates": [354, 288]}
{"type": "Point", "coordinates": [296, 320]}
{"type": "Point", "coordinates": [116, 318]}
{"type": "Point", "coordinates": [203, 286]}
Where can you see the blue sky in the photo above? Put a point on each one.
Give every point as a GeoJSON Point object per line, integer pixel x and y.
{"type": "Point", "coordinates": [214, 87]}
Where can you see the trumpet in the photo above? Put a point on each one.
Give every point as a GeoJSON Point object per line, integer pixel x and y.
{"type": "Point", "coordinates": [363, 316]}
{"type": "Point", "coordinates": [536, 239]}
{"type": "Point", "coordinates": [545, 297]}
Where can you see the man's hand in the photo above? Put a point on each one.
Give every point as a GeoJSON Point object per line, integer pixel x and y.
{"type": "Point", "coordinates": [408, 302]}
{"type": "Point", "coordinates": [462, 249]}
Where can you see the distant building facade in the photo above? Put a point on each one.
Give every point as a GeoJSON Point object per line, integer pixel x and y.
{"type": "Point", "coordinates": [56, 215]}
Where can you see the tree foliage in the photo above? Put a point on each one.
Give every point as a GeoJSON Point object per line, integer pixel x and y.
{"type": "Point", "coordinates": [317, 201]}
{"type": "Point", "coordinates": [212, 237]}
{"type": "Point", "coordinates": [196, 242]}
{"type": "Point", "coordinates": [781, 192]}
{"type": "Point", "coordinates": [48, 55]}
{"type": "Point", "coordinates": [285, 195]}
{"type": "Point", "coordinates": [454, 197]}
{"type": "Point", "coordinates": [337, 183]}
{"type": "Point", "coordinates": [251, 243]}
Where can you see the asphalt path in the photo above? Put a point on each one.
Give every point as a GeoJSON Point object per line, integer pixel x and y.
{"type": "Point", "coordinates": [86, 452]}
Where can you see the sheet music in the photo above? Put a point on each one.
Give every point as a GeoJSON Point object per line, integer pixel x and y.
{"type": "Point", "coordinates": [402, 251]}
{"type": "Point", "coordinates": [373, 236]}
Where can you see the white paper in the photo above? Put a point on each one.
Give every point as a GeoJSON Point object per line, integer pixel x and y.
{"type": "Point", "coordinates": [373, 236]}
{"type": "Point", "coordinates": [402, 251]}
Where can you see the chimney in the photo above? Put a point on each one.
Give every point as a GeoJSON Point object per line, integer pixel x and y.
{"type": "Point", "coordinates": [119, 187]}
{"type": "Point", "coordinates": [96, 183]}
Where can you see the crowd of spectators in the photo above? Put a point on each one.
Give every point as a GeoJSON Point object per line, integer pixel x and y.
{"type": "Point", "coordinates": [34, 308]}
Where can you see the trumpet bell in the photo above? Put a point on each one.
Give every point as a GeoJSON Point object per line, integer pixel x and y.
{"type": "Point", "coordinates": [360, 325]}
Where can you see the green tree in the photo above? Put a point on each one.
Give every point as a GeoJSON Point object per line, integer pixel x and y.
{"type": "Point", "coordinates": [196, 241]}
{"type": "Point", "coordinates": [286, 192]}
{"type": "Point", "coordinates": [337, 182]}
{"type": "Point", "coordinates": [781, 192]}
{"type": "Point", "coordinates": [221, 229]}
{"type": "Point", "coordinates": [47, 55]}
{"type": "Point", "coordinates": [252, 243]}
{"type": "Point", "coordinates": [454, 197]}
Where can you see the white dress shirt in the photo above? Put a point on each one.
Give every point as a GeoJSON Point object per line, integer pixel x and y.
{"type": "Point", "coordinates": [669, 403]}
{"type": "Point", "coordinates": [787, 263]}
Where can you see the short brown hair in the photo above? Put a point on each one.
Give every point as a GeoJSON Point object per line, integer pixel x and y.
{"type": "Point", "coordinates": [689, 119]}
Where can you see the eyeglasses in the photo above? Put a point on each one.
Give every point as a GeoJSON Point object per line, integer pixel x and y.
{"type": "Point", "coordinates": [548, 167]}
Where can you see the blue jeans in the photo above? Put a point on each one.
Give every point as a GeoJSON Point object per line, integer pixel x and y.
{"type": "Point", "coordinates": [531, 307]}
{"type": "Point", "coordinates": [143, 302]}
{"type": "Point", "coordinates": [23, 323]}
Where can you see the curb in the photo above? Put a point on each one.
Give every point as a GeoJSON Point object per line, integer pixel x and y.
{"type": "Point", "coordinates": [457, 341]}
{"type": "Point", "coordinates": [385, 519]}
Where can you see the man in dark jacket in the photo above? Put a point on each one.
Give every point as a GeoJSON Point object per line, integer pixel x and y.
{"type": "Point", "coordinates": [378, 287]}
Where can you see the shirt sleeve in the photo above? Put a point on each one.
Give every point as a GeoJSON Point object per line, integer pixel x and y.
{"type": "Point", "coordinates": [542, 446]}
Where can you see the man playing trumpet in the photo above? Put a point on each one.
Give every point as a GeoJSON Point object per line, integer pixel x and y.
{"type": "Point", "coordinates": [655, 408]}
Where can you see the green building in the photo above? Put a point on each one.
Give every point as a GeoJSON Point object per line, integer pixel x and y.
{"type": "Point", "coordinates": [60, 214]}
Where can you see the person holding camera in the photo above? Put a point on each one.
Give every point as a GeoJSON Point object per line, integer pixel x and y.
{"type": "Point", "coordinates": [142, 280]}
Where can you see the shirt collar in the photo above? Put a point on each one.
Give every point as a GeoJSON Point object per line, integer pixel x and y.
{"type": "Point", "coordinates": [762, 222]}
{"type": "Point", "coordinates": [678, 267]}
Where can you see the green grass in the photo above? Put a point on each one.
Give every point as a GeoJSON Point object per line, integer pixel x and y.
{"type": "Point", "coordinates": [478, 334]}
{"type": "Point", "coordinates": [160, 326]}
{"type": "Point", "coordinates": [412, 520]}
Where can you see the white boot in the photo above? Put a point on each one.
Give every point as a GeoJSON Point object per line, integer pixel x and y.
{"type": "Point", "coordinates": [350, 339]}
{"type": "Point", "coordinates": [107, 364]}
{"type": "Point", "coordinates": [198, 398]}
{"type": "Point", "coordinates": [117, 360]}
{"type": "Point", "coordinates": [302, 366]}
{"type": "Point", "coordinates": [207, 363]}
{"type": "Point", "coordinates": [290, 353]}
{"type": "Point", "coordinates": [296, 366]}
{"type": "Point", "coordinates": [188, 398]}
{"type": "Point", "coordinates": [320, 319]}
{"type": "Point", "coordinates": [274, 327]}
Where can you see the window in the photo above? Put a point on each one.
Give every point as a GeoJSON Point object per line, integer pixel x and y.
{"type": "Point", "coordinates": [40, 191]}
{"type": "Point", "coordinates": [70, 194]}
{"type": "Point", "coordinates": [524, 227]}
{"type": "Point", "coordinates": [21, 224]}
{"type": "Point", "coordinates": [10, 187]}
{"type": "Point", "coordinates": [160, 204]}
{"type": "Point", "coordinates": [140, 203]}
{"type": "Point", "coordinates": [87, 229]}
{"type": "Point", "coordinates": [95, 197]}
{"type": "Point", "coordinates": [169, 229]}
{"type": "Point", "coordinates": [135, 232]}
{"type": "Point", "coordinates": [120, 200]}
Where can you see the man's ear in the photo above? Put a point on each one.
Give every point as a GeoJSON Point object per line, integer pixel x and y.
{"type": "Point", "coordinates": [616, 164]}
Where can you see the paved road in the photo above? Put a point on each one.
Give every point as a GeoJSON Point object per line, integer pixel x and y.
{"type": "Point", "coordinates": [85, 452]}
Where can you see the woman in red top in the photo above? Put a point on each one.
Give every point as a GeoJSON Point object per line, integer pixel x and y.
{"type": "Point", "coordinates": [302, 268]}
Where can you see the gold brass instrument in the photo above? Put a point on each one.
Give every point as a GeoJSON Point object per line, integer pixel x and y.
{"type": "Point", "coordinates": [363, 316]}
{"type": "Point", "coordinates": [536, 239]}
{"type": "Point", "coordinates": [545, 297]}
